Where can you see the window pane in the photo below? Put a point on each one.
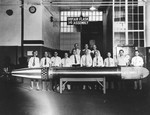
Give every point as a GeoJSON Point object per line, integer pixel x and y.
{"type": "Point", "coordinates": [141, 26]}
{"type": "Point", "coordinates": [129, 17]}
{"type": "Point", "coordinates": [87, 13]}
{"type": "Point", "coordinates": [136, 43]}
{"type": "Point", "coordinates": [101, 18]}
{"type": "Point", "coordinates": [135, 9]}
{"type": "Point", "coordinates": [90, 13]}
{"type": "Point", "coordinates": [65, 24]}
{"type": "Point", "coordinates": [101, 13]}
{"type": "Point", "coordinates": [130, 42]}
{"type": "Point", "coordinates": [141, 35]}
{"type": "Point", "coordinates": [135, 35]}
{"type": "Point", "coordinates": [135, 17]}
{"type": "Point", "coordinates": [97, 18]}
{"type": "Point", "coordinates": [62, 24]}
{"type": "Point", "coordinates": [140, 17]}
{"type": "Point", "coordinates": [65, 18]}
{"type": "Point", "coordinates": [130, 9]}
{"type": "Point", "coordinates": [94, 18]}
{"type": "Point", "coordinates": [71, 13]}
{"type": "Point", "coordinates": [130, 35]}
{"type": "Point", "coordinates": [62, 13]}
{"type": "Point", "coordinates": [140, 9]}
{"type": "Point", "coordinates": [93, 13]}
{"type": "Point", "coordinates": [65, 13]}
{"type": "Point", "coordinates": [96, 13]}
{"type": "Point", "coordinates": [136, 26]}
{"type": "Point", "coordinates": [141, 43]}
{"type": "Point", "coordinates": [130, 26]}
{"type": "Point", "coordinates": [62, 18]}
{"type": "Point", "coordinates": [61, 30]}
{"type": "Point", "coordinates": [75, 13]}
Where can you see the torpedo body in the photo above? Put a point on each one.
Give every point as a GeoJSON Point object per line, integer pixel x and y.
{"type": "Point", "coordinates": [84, 72]}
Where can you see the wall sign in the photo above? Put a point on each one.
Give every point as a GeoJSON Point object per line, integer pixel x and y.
{"type": "Point", "coordinates": [77, 20]}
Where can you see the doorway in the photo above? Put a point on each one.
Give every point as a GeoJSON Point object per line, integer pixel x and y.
{"type": "Point", "coordinates": [93, 34]}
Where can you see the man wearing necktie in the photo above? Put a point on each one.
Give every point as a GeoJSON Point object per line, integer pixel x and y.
{"type": "Point", "coordinates": [75, 59]}
{"type": "Point", "coordinates": [137, 61]}
{"type": "Point", "coordinates": [66, 62]}
{"type": "Point", "coordinates": [86, 60]}
{"type": "Point", "coordinates": [109, 62]}
{"type": "Point", "coordinates": [34, 63]}
{"type": "Point", "coordinates": [56, 60]}
{"type": "Point", "coordinates": [45, 62]}
{"type": "Point", "coordinates": [97, 60]}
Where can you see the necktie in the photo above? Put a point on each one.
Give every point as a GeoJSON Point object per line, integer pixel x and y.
{"type": "Point", "coordinates": [108, 62]}
{"type": "Point", "coordinates": [65, 62]}
{"type": "Point", "coordinates": [86, 63]}
{"type": "Point", "coordinates": [75, 59]}
{"type": "Point", "coordinates": [97, 61]}
{"type": "Point", "coordinates": [45, 62]}
{"type": "Point", "coordinates": [33, 64]}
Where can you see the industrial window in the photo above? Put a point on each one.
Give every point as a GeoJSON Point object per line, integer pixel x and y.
{"type": "Point", "coordinates": [128, 22]}
{"type": "Point", "coordinates": [93, 16]}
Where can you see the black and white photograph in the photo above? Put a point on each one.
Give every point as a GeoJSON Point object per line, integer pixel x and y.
{"type": "Point", "coordinates": [74, 57]}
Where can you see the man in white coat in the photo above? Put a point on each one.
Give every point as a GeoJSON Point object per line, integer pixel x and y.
{"type": "Point", "coordinates": [34, 62]}
{"type": "Point", "coordinates": [137, 61]}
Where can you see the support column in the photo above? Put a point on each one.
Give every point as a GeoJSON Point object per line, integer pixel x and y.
{"type": "Point", "coordinates": [147, 20]}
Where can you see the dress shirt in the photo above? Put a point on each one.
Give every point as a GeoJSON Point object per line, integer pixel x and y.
{"type": "Point", "coordinates": [45, 62]}
{"type": "Point", "coordinates": [137, 61]}
{"type": "Point", "coordinates": [109, 62]}
{"type": "Point", "coordinates": [98, 61]}
{"type": "Point", "coordinates": [86, 61]}
{"type": "Point", "coordinates": [66, 62]}
{"type": "Point", "coordinates": [77, 51]}
{"type": "Point", "coordinates": [72, 58]}
{"type": "Point", "coordinates": [34, 62]}
{"type": "Point", "coordinates": [93, 52]}
{"type": "Point", "coordinates": [122, 61]}
{"type": "Point", "coordinates": [88, 50]}
{"type": "Point", "coordinates": [56, 61]}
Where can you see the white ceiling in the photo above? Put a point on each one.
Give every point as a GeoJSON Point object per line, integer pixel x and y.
{"type": "Point", "coordinates": [78, 4]}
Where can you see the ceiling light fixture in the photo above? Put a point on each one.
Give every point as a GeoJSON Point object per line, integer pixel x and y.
{"type": "Point", "coordinates": [92, 8]}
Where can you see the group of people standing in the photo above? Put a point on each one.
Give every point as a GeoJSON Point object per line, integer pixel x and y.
{"type": "Point", "coordinates": [83, 58]}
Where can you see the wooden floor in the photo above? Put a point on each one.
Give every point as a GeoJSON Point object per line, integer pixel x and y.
{"type": "Point", "coordinates": [18, 99]}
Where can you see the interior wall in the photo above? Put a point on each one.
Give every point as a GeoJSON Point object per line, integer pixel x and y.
{"type": "Point", "coordinates": [9, 55]}
{"type": "Point", "coordinates": [109, 32]}
{"type": "Point", "coordinates": [67, 40]}
{"type": "Point", "coordinates": [33, 23]}
{"type": "Point", "coordinates": [10, 26]}
{"type": "Point", "coordinates": [51, 27]}
{"type": "Point", "coordinates": [147, 25]}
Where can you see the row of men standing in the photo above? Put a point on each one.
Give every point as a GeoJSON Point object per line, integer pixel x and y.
{"type": "Point", "coordinates": [83, 58]}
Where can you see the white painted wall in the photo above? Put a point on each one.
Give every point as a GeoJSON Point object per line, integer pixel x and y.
{"type": "Point", "coordinates": [147, 24]}
{"type": "Point", "coordinates": [33, 23]}
{"type": "Point", "coordinates": [50, 30]}
{"type": "Point", "coordinates": [10, 26]}
{"type": "Point", "coordinates": [37, 26]}
{"type": "Point", "coordinates": [67, 40]}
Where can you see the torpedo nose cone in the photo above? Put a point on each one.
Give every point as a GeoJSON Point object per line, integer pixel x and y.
{"type": "Point", "coordinates": [145, 72]}
{"type": "Point", "coordinates": [134, 72]}
{"type": "Point", "coordinates": [27, 73]}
